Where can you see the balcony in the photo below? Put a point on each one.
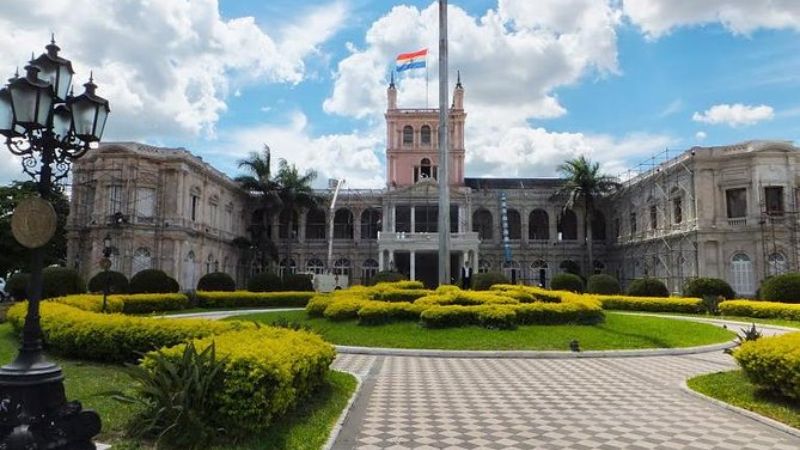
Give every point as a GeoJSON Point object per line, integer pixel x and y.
{"type": "Point", "coordinates": [737, 221]}
{"type": "Point", "coordinates": [425, 241]}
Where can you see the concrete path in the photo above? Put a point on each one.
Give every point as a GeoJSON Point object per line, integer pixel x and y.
{"type": "Point", "coordinates": [444, 402]}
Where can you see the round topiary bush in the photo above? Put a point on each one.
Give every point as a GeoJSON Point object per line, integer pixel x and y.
{"type": "Point", "coordinates": [647, 287]}
{"type": "Point", "coordinates": [60, 281]}
{"type": "Point", "coordinates": [484, 281]}
{"type": "Point", "coordinates": [264, 282]}
{"type": "Point", "coordinates": [603, 284]}
{"type": "Point", "coordinates": [297, 282]}
{"type": "Point", "coordinates": [708, 287]}
{"type": "Point", "coordinates": [153, 281]}
{"type": "Point", "coordinates": [782, 288]}
{"type": "Point", "coordinates": [116, 281]}
{"type": "Point", "coordinates": [387, 276]}
{"type": "Point", "coordinates": [567, 282]}
{"type": "Point", "coordinates": [216, 281]}
{"type": "Point", "coordinates": [17, 286]}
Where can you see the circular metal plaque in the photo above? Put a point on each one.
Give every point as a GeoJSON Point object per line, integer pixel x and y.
{"type": "Point", "coordinates": [34, 222]}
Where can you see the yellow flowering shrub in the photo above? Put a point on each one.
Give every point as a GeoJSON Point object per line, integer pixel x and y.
{"type": "Point", "coordinates": [147, 303]}
{"type": "Point", "coordinates": [375, 312]}
{"type": "Point", "coordinates": [766, 310]}
{"type": "Point", "coordinates": [73, 332]}
{"type": "Point", "coordinates": [316, 306]}
{"type": "Point", "coordinates": [246, 299]}
{"type": "Point", "coordinates": [90, 302]}
{"type": "Point", "coordinates": [773, 363]}
{"type": "Point", "coordinates": [652, 304]}
{"type": "Point", "coordinates": [266, 372]}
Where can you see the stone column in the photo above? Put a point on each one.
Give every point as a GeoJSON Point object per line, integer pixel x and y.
{"type": "Point", "coordinates": [380, 260]}
{"type": "Point", "coordinates": [412, 264]}
{"type": "Point", "coordinates": [356, 225]}
{"type": "Point", "coordinates": [301, 225]}
{"type": "Point", "coordinates": [413, 218]}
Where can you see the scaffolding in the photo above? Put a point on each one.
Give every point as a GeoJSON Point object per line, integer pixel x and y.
{"type": "Point", "coordinates": [779, 232]}
{"type": "Point", "coordinates": [662, 231]}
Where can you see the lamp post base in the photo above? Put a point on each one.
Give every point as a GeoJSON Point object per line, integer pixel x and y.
{"type": "Point", "coordinates": [35, 413]}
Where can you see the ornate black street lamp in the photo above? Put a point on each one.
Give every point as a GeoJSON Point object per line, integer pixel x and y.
{"type": "Point", "coordinates": [47, 127]}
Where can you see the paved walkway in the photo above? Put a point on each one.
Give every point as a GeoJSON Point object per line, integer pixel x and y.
{"type": "Point", "coordinates": [440, 402]}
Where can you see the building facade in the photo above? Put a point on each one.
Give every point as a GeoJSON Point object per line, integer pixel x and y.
{"type": "Point", "coordinates": [727, 212]}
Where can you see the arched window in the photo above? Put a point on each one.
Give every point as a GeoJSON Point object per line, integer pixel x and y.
{"type": "Point", "coordinates": [368, 270]}
{"type": "Point", "coordinates": [776, 264]}
{"type": "Point", "coordinates": [315, 224]}
{"type": "Point", "coordinates": [598, 227]}
{"type": "Point", "coordinates": [540, 272]}
{"type": "Point", "coordinates": [742, 275]}
{"type": "Point", "coordinates": [283, 224]}
{"type": "Point", "coordinates": [568, 225]}
{"type": "Point", "coordinates": [482, 224]}
{"type": "Point", "coordinates": [212, 265]}
{"type": "Point", "coordinates": [514, 224]}
{"type": "Point", "coordinates": [283, 267]}
{"type": "Point", "coordinates": [539, 226]}
{"type": "Point", "coordinates": [408, 136]}
{"type": "Point", "coordinates": [341, 267]}
{"type": "Point", "coordinates": [484, 266]}
{"type": "Point", "coordinates": [190, 271]}
{"type": "Point", "coordinates": [425, 168]}
{"type": "Point", "coordinates": [512, 271]}
{"type": "Point", "coordinates": [314, 265]}
{"type": "Point", "coordinates": [370, 223]}
{"type": "Point", "coordinates": [425, 135]}
{"type": "Point", "coordinates": [116, 261]}
{"type": "Point", "coordinates": [343, 224]}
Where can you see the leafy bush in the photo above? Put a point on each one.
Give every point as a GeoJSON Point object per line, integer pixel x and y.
{"type": "Point", "coordinates": [773, 363]}
{"type": "Point", "coordinates": [652, 304]}
{"type": "Point", "coordinates": [377, 313]}
{"type": "Point", "coordinates": [344, 309]}
{"type": "Point", "coordinates": [264, 282]}
{"type": "Point", "coordinates": [246, 299]}
{"type": "Point", "coordinates": [316, 306]}
{"type": "Point", "coordinates": [782, 288]}
{"type": "Point", "coordinates": [72, 332]}
{"type": "Point", "coordinates": [297, 282]}
{"type": "Point", "coordinates": [174, 398]}
{"type": "Point", "coordinates": [387, 277]}
{"type": "Point", "coordinates": [764, 310]}
{"type": "Point", "coordinates": [400, 295]}
{"type": "Point", "coordinates": [498, 317]}
{"type": "Point", "coordinates": [148, 303]}
{"type": "Point", "coordinates": [153, 281]}
{"type": "Point", "coordinates": [708, 287]}
{"type": "Point", "coordinates": [539, 313]}
{"type": "Point", "coordinates": [484, 281]}
{"type": "Point", "coordinates": [60, 281]}
{"type": "Point", "coordinates": [117, 282]}
{"type": "Point", "coordinates": [91, 302]}
{"type": "Point", "coordinates": [404, 284]}
{"type": "Point", "coordinates": [216, 281]}
{"type": "Point", "coordinates": [567, 282]}
{"type": "Point", "coordinates": [266, 372]}
{"type": "Point", "coordinates": [570, 266]}
{"type": "Point", "coordinates": [17, 286]}
{"type": "Point", "coordinates": [647, 287]}
{"type": "Point", "coordinates": [602, 284]}
{"type": "Point", "coordinates": [449, 316]}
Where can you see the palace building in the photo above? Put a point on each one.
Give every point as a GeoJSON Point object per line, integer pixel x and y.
{"type": "Point", "coordinates": [728, 212]}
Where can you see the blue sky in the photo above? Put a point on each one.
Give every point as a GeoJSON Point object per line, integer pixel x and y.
{"type": "Point", "coordinates": [544, 79]}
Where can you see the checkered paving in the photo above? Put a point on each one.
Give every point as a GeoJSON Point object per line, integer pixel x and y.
{"type": "Point", "coordinates": [630, 403]}
{"type": "Point", "coordinates": [358, 365]}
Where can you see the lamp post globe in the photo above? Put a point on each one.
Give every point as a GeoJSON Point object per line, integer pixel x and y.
{"type": "Point", "coordinates": [47, 128]}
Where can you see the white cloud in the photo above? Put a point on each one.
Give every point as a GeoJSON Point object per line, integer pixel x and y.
{"type": "Point", "coordinates": [700, 136]}
{"type": "Point", "coordinates": [166, 66]}
{"type": "Point", "coordinates": [673, 107]}
{"type": "Point", "coordinates": [658, 17]}
{"type": "Point", "coordinates": [734, 115]}
{"type": "Point", "coordinates": [352, 156]}
{"type": "Point", "coordinates": [511, 58]}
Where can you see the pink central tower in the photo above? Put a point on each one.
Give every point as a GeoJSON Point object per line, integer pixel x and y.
{"type": "Point", "coordinates": [412, 141]}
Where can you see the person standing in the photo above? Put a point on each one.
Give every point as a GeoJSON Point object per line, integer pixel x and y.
{"type": "Point", "coordinates": [466, 276]}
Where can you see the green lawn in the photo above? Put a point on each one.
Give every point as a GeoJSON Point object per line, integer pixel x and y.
{"type": "Point", "coordinates": [734, 388]}
{"type": "Point", "coordinates": [307, 427]}
{"type": "Point", "coordinates": [619, 331]}
{"type": "Point", "coordinates": [778, 322]}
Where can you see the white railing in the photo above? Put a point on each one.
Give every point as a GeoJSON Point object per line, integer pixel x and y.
{"type": "Point", "coordinates": [737, 221]}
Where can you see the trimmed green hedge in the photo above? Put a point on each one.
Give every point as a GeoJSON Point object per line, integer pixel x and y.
{"type": "Point", "coordinates": [266, 372]}
{"type": "Point", "coordinates": [603, 284]}
{"type": "Point", "coordinates": [567, 282]}
{"type": "Point", "coordinates": [245, 299]}
{"type": "Point", "coordinates": [708, 287]}
{"type": "Point", "coordinates": [149, 303]}
{"type": "Point", "coordinates": [153, 281]}
{"type": "Point", "coordinates": [265, 282]}
{"type": "Point", "coordinates": [652, 304]}
{"type": "Point", "coordinates": [91, 302]}
{"type": "Point", "coordinates": [782, 288]}
{"type": "Point", "coordinates": [484, 281]}
{"type": "Point", "coordinates": [647, 287]}
{"type": "Point", "coordinates": [773, 363]}
{"type": "Point", "coordinates": [216, 281]}
{"type": "Point", "coordinates": [400, 295]}
{"type": "Point", "coordinates": [387, 277]}
{"type": "Point", "coordinates": [117, 282]}
{"type": "Point", "coordinates": [72, 332]}
{"type": "Point", "coordinates": [764, 310]}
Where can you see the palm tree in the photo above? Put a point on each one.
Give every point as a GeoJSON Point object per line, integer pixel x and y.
{"type": "Point", "coordinates": [261, 185]}
{"type": "Point", "coordinates": [583, 185]}
{"type": "Point", "coordinates": [295, 192]}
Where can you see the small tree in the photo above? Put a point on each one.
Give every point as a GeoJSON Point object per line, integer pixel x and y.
{"type": "Point", "coordinates": [567, 282]}
{"type": "Point", "coordinates": [216, 281]}
{"type": "Point", "coordinates": [602, 284]}
{"type": "Point", "coordinates": [648, 287]}
{"type": "Point", "coordinates": [117, 282]}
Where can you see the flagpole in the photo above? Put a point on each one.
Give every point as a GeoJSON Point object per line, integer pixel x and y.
{"type": "Point", "coordinates": [444, 179]}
